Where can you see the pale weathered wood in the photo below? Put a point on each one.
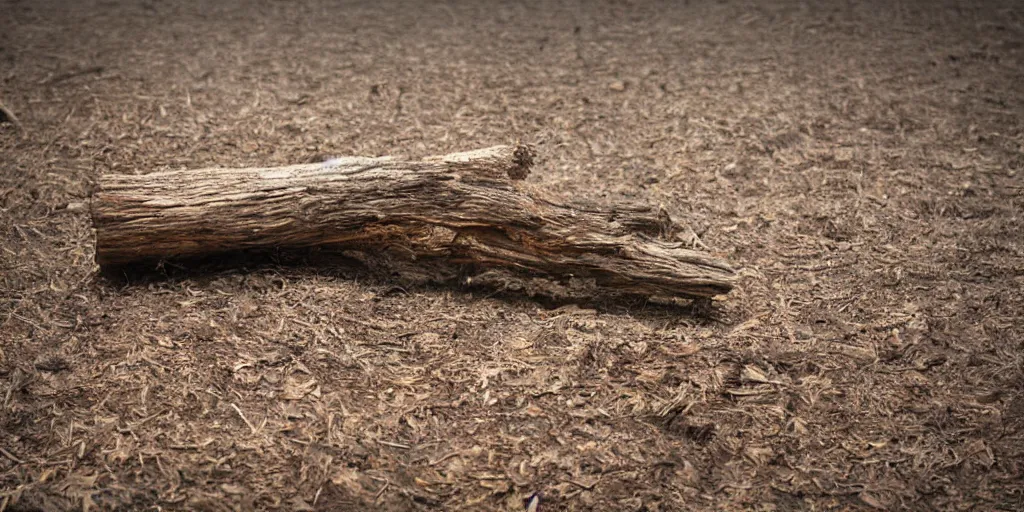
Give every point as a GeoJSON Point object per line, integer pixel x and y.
{"type": "Point", "coordinates": [465, 207]}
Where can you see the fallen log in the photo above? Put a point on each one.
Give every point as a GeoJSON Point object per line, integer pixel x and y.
{"type": "Point", "coordinates": [465, 208]}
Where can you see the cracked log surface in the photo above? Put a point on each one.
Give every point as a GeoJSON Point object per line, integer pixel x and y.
{"type": "Point", "coordinates": [464, 208]}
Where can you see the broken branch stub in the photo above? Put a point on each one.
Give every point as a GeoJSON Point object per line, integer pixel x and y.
{"type": "Point", "coordinates": [468, 208]}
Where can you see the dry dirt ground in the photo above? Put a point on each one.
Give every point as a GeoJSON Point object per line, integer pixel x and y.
{"type": "Point", "coordinates": [860, 162]}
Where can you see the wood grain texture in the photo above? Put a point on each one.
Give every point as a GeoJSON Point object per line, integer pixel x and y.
{"type": "Point", "coordinates": [468, 208]}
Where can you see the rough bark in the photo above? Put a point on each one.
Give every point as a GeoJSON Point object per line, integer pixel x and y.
{"type": "Point", "coordinates": [467, 208]}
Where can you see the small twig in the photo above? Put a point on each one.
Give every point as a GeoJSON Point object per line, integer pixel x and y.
{"type": "Point", "coordinates": [71, 74]}
{"type": "Point", "coordinates": [387, 483]}
{"type": "Point", "coordinates": [246, 420]}
{"type": "Point", "coordinates": [398, 105]}
{"type": "Point", "coordinates": [444, 458]}
{"type": "Point", "coordinates": [394, 445]}
{"type": "Point", "coordinates": [11, 456]}
{"type": "Point", "coordinates": [154, 363]}
{"type": "Point", "coordinates": [7, 116]}
{"type": "Point", "coordinates": [147, 419]}
{"type": "Point", "coordinates": [197, 446]}
{"type": "Point", "coordinates": [356, 321]}
{"type": "Point", "coordinates": [8, 395]}
{"type": "Point", "coordinates": [29, 322]}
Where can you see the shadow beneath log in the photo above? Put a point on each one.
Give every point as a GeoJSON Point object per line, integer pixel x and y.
{"type": "Point", "coordinates": [397, 274]}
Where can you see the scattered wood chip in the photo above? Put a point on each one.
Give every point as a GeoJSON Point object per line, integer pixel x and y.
{"type": "Point", "coordinates": [859, 353]}
{"type": "Point", "coordinates": [76, 207]}
{"type": "Point", "coordinates": [872, 501]}
{"type": "Point", "coordinates": [233, 489]}
{"type": "Point", "coordinates": [752, 373]}
{"type": "Point", "coordinates": [52, 363]}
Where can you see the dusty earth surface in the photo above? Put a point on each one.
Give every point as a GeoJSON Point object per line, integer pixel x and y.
{"type": "Point", "coordinates": [861, 163]}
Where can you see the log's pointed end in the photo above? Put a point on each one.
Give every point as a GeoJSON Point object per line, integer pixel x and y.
{"type": "Point", "coordinates": [522, 159]}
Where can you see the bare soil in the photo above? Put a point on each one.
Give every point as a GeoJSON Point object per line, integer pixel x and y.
{"type": "Point", "coordinates": [861, 162]}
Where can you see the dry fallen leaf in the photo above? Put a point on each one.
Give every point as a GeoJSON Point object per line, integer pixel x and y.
{"type": "Point", "coordinates": [872, 501]}
{"type": "Point", "coordinates": [533, 411]}
{"type": "Point", "coordinates": [799, 426]}
{"type": "Point", "coordinates": [759, 455]}
{"type": "Point", "coordinates": [233, 489]}
{"type": "Point", "coordinates": [350, 479]}
{"type": "Point", "coordinates": [295, 389]}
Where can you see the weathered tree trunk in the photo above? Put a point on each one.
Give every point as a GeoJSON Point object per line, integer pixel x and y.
{"type": "Point", "coordinates": [464, 207]}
